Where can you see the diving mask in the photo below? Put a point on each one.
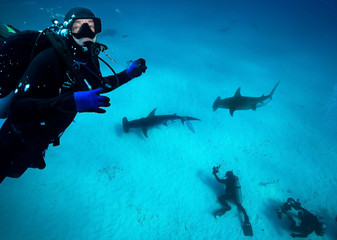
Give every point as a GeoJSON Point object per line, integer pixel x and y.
{"type": "Point", "coordinates": [85, 31]}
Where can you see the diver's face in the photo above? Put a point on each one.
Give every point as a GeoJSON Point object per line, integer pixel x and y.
{"type": "Point", "coordinates": [78, 29]}
{"type": "Point", "coordinates": [79, 22]}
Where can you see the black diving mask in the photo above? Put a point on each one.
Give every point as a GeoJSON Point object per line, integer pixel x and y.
{"type": "Point", "coordinates": [84, 32]}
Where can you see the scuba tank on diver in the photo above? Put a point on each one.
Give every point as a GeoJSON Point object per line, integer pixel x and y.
{"type": "Point", "coordinates": [238, 194]}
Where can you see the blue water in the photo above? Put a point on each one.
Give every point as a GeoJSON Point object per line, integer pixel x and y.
{"type": "Point", "coordinates": [102, 183]}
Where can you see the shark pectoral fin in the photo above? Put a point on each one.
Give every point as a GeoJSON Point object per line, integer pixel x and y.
{"type": "Point", "coordinates": [231, 111]}
{"type": "Point", "coordinates": [189, 125]}
{"type": "Point", "coordinates": [165, 123]}
{"type": "Point", "coordinates": [254, 107]}
{"type": "Point", "coordinates": [144, 131]}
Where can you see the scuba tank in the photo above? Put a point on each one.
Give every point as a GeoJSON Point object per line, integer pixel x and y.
{"type": "Point", "coordinates": [5, 100]}
{"type": "Point", "coordinates": [238, 194]}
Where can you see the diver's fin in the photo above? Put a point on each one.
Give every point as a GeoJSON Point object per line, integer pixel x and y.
{"type": "Point", "coordinates": [247, 229]}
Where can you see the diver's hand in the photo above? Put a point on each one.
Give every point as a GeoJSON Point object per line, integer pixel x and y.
{"type": "Point", "coordinates": [216, 170]}
{"type": "Point", "coordinates": [137, 68]}
{"type": "Point", "coordinates": [91, 101]}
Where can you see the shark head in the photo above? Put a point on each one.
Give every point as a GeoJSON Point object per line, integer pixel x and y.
{"type": "Point", "coordinates": [216, 104]}
{"type": "Point", "coordinates": [125, 125]}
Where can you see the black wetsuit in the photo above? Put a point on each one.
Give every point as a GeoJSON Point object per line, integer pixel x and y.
{"type": "Point", "coordinates": [230, 195]}
{"type": "Point", "coordinates": [307, 226]}
{"type": "Point", "coordinates": [44, 106]}
{"type": "Point", "coordinates": [309, 222]}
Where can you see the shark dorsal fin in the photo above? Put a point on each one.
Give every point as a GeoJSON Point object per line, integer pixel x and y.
{"type": "Point", "coordinates": [152, 113]}
{"type": "Point", "coordinates": [237, 93]}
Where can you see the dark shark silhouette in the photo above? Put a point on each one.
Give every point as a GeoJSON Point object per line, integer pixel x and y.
{"type": "Point", "coordinates": [153, 120]}
{"type": "Point", "coordinates": [239, 102]}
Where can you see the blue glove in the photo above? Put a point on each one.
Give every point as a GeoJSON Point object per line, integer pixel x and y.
{"type": "Point", "coordinates": [91, 101]}
{"type": "Point", "coordinates": [137, 68]}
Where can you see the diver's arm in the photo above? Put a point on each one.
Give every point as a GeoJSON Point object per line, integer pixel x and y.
{"type": "Point", "coordinates": [32, 108]}
{"type": "Point", "coordinates": [136, 69]}
{"type": "Point", "coordinates": [215, 172]}
{"type": "Point", "coordinates": [218, 179]}
{"type": "Point", "coordinates": [114, 81]}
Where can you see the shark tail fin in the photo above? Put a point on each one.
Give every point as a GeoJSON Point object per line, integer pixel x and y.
{"type": "Point", "coordinates": [216, 104]}
{"type": "Point", "coordinates": [272, 91]}
{"type": "Point", "coordinates": [125, 125]}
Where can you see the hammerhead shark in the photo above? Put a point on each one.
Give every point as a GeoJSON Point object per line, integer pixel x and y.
{"type": "Point", "coordinates": [239, 102]}
{"type": "Point", "coordinates": [153, 120]}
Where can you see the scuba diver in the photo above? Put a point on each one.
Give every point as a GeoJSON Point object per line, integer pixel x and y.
{"type": "Point", "coordinates": [232, 193]}
{"type": "Point", "coordinates": [62, 79]}
{"type": "Point", "coordinates": [308, 222]}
